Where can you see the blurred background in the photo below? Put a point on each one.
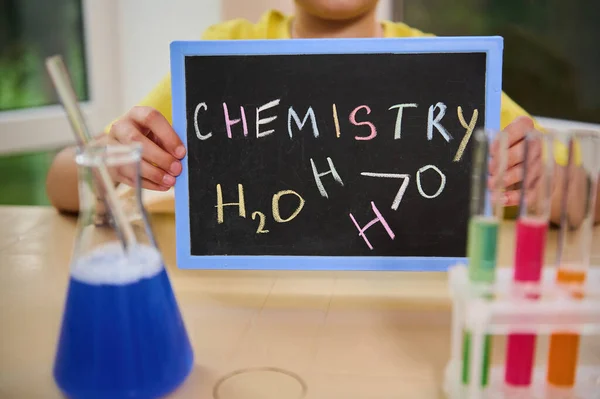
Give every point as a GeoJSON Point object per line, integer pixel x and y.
{"type": "Point", "coordinates": [117, 50]}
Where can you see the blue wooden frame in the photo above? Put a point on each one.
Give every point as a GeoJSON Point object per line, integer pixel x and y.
{"type": "Point", "coordinates": [492, 46]}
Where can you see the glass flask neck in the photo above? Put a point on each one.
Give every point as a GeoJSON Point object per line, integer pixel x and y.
{"type": "Point", "coordinates": [97, 225]}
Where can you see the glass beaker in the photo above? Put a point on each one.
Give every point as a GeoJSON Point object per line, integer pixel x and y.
{"type": "Point", "coordinates": [122, 335]}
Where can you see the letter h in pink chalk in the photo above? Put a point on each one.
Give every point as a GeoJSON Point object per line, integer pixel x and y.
{"type": "Point", "coordinates": [378, 219]}
{"type": "Point", "coordinates": [230, 122]}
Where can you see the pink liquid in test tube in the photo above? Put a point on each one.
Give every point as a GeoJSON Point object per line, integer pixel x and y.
{"type": "Point", "coordinates": [532, 226]}
{"type": "Point", "coordinates": [529, 258]}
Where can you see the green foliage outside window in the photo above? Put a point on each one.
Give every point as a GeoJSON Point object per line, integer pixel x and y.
{"type": "Point", "coordinates": [30, 31]}
{"type": "Point", "coordinates": [551, 47]}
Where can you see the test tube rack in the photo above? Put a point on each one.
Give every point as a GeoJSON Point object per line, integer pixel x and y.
{"type": "Point", "coordinates": [503, 308]}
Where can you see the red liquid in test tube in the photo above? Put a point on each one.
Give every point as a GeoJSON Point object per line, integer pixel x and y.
{"type": "Point", "coordinates": [532, 227]}
{"type": "Point", "coordinates": [529, 258]}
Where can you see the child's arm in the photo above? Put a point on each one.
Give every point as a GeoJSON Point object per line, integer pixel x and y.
{"type": "Point", "coordinates": [61, 181]}
{"type": "Point", "coordinates": [162, 151]}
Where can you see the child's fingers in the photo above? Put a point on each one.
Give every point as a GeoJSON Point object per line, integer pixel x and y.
{"type": "Point", "coordinates": [123, 175]}
{"type": "Point", "coordinates": [515, 165]}
{"type": "Point", "coordinates": [513, 176]}
{"type": "Point", "coordinates": [516, 174]}
{"type": "Point", "coordinates": [507, 198]}
{"type": "Point", "coordinates": [516, 133]}
{"type": "Point", "coordinates": [152, 120]}
{"type": "Point", "coordinates": [127, 173]}
{"type": "Point", "coordinates": [156, 175]}
{"type": "Point", "coordinates": [512, 197]}
{"type": "Point", "coordinates": [518, 129]}
{"type": "Point", "coordinates": [533, 174]}
{"type": "Point", "coordinates": [493, 180]}
{"type": "Point", "coordinates": [126, 132]}
{"type": "Point", "coordinates": [147, 184]}
{"type": "Point", "coordinates": [516, 154]}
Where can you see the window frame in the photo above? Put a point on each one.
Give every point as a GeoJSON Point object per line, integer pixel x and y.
{"type": "Point", "coordinates": [47, 127]}
{"type": "Point", "coordinates": [565, 124]}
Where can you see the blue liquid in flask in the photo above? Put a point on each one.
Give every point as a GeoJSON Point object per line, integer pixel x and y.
{"type": "Point", "coordinates": [122, 334]}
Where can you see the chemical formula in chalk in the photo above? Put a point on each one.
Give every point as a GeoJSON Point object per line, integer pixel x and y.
{"type": "Point", "coordinates": [258, 215]}
{"type": "Point", "coordinates": [261, 218]}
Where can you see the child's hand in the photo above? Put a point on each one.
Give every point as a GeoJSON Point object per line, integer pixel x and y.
{"type": "Point", "coordinates": [161, 147]}
{"type": "Point", "coordinates": [513, 176]}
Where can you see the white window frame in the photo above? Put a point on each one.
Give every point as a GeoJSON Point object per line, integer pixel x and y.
{"type": "Point", "coordinates": [47, 127]}
{"type": "Point", "coordinates": [564, 124]}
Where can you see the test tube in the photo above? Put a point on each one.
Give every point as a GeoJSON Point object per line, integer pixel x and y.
{"type": "Point", "coordinates": [575, 245]}
{"type": "Point", "coordinates": [486, 212]}
{"type": "Point", "coordinates": [532, 226]}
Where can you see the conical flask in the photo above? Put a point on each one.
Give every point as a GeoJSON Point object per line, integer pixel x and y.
{"type": "Point", "coordinates": [122, 335]}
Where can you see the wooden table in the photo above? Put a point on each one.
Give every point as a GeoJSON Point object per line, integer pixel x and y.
{"type": "Point", "coordinates": [345, 335]}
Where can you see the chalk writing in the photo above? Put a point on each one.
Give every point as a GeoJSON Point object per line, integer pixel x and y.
{"type": "Point", "coordinates": [220, 205]}
{"type": "Point", "coordinates": [442, 182]}
{"type": "Point", "coordinates": [371, 126]}
{"type": "Point", "coordinates": [264, 121]}
{"type": "Point", "coordinates": [300, 124]}
{"type": "Point", "coordinates": [435, 115]}
{"type": "Point", "coordinates": [275, 206]}
{"type": "Point", "coordinates": [378, 219]}
{"type": "Point", "coordinates": [332, 170]}
{"type": "Point", "coordinates": [198, 134]}
{"type": "Point", "coordinates": [398, 125]}
{"type": "Point", "coordinates": [336, 121]}
{"type": "Point", "coordinates": [402, 189]}
{"type": "Point", "coordinates": [261, 222]}
{"type": "Point", "coordinates": [467, 136]}
{"type": "Point", "coordinates": [241, 204]}
{"type": "Point", "coordinates": [230, 122]}
{"type": "Point", "coordinates": [318, 176]}
{"type": "Point", "coordinates": [435, 122]}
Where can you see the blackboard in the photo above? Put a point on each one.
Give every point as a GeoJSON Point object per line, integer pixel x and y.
{"type": "Point", "coordinates": [329, 154]}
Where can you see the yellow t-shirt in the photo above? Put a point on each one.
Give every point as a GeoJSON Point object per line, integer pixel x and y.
{"type": "Point", "coordinates": [275, 25]}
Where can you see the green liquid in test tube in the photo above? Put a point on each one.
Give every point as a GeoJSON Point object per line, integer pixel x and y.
{"type": "Point", "coordinates": [482, 242]}
{"type": "Point", "coordinates": [482, 248]}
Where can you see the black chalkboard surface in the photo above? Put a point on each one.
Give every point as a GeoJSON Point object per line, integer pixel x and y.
{"type": "Point", "coordinates": [308, 157]}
